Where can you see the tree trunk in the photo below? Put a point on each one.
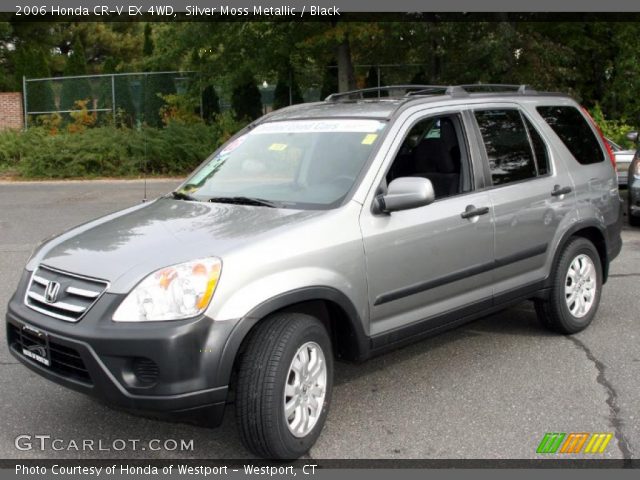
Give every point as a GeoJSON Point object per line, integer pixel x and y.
{"type": "Point", "coordinates": [346, 77]}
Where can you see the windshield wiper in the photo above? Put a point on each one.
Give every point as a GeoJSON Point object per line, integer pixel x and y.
{"type": "Point", "coordinates": [244, 201]}
{"type": "Point", "coordinates": [183, 196]}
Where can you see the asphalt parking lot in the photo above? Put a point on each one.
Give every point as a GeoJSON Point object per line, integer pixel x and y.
{"type": "Point", "coordinates": [488, 390]}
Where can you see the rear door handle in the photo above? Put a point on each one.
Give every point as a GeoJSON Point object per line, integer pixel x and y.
{"type": "Point", "coordinates": [557, 191]}
{"type": "Point", "coordinates": [472, 211]}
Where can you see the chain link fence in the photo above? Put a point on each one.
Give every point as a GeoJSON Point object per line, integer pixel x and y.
{"type": "Point", "coordinates": [132, 99]}
{"type": "Point", "coordinates": [129, 98]}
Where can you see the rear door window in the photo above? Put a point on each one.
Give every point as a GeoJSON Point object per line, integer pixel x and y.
{"type": "Point", "coordinates": [507, 145]}
{"type": "Point", "coordinates": [574, 131]}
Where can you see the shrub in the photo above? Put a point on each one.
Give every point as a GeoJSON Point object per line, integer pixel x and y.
{"type": "Point", "coordinates": [615, 130]}
{"type": "Point", "coordinates": [111, 151]}
{"type": "Point", "coordinates": [180, 109]}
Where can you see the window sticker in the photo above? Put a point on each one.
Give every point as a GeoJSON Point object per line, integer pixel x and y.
{"type": "Point", "coordinates": [321, 126]}
{"type": "Point", "coordinates": [278, 147]}
{"type": "Point", "coordinates": [369, 138]}
{"type": "Point", "coordinates": [233, 145]}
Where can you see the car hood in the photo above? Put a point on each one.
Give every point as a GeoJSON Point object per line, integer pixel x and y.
{"type": "Point", "coordinates": [124, 247]}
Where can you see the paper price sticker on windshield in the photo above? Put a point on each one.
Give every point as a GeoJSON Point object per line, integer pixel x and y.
{"type": "Point", "coordinates": [369, 139]}
{"type": "Point", "coordinates": [278, 147]}
{"type": "Point", "coordinates": [233, 145]}
{"type": "Point", "coordinates": [319, 126]}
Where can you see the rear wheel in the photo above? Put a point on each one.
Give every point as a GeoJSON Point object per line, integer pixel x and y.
{"type": "Point", "coordinates": [285, 380]}
{"type": "Point", "coordinates": [575, 292]}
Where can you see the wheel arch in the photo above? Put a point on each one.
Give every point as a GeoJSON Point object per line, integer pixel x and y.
{"type": "Point", "coordinates": [596, 234]}
{"type": "Point", "coordinates": [332, 307]}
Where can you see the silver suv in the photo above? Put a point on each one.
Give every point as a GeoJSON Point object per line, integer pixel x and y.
{"type": "Point", "coordinates": [337, 229]}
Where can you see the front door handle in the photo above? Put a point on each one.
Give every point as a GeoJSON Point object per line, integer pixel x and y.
{"type": "Point", "coordinates": [557, 191]}
{"type": "Point", "coordinates": [472, 211]}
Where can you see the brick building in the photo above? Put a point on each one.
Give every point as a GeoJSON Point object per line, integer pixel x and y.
{"type": "Point", "coordinates": [11, 115]}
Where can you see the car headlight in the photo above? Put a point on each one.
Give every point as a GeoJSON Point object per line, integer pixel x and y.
{"type": "Point", "coordinates": [172, 293]}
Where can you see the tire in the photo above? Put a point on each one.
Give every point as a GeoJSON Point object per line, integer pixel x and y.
{"type": "Point", "coordinates": [558, 312]}
{"type": "Point", "coordinates": [265, 368]}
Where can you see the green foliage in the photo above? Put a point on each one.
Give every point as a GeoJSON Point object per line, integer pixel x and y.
{"type": "Point", "coordinates": [147, 46]}
{"type": "Point", "coordinates": [125, 109]}
{"type": "Point", "coordinates": [246, 100]}
{"type": "Point", "coordinates": [39, 94]}
{"type": "Point", "coordinates": [596, 61]}
{"type": "Point", "coordinates": [124, 101]}
{"type": "Point", "coordinates": [615, 130]}
{"type": "Point", "coordinates": [110, 151]}
{"type": "Point", "coordinates": [77, 88]}
{"type": "Point", "coordinates": [155, 88]}
{"type": "Point", "coordinates": [210, 103]}
{"type": "Point", "coordinates": [105, 88]}
{"type": "Point", "coordinates": [180, 109]}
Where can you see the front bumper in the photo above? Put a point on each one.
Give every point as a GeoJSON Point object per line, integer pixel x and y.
{"type": "Point", "coordinates": [165, 369]}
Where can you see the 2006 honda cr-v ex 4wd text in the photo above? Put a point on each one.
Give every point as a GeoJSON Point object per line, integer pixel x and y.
{"type": "Point", "coordinates": [337, 229]}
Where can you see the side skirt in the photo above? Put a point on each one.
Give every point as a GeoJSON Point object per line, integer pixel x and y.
{"type": "Point", "coordinates": [431, 326]}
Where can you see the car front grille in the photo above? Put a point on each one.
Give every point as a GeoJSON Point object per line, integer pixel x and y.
{"type": "Point", "coordinates": [64, 361]}
{"type": "Point", "coordinates": [62, 295]}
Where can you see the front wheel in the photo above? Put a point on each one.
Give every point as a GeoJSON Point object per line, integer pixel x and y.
{"type": "Point", "coordinates": [575, 291]}
{"type": "Point", "coordinates": [285, 380]}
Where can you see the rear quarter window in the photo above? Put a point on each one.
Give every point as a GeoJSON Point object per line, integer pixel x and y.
{"type": "Point", "coordinates": [575, 132]}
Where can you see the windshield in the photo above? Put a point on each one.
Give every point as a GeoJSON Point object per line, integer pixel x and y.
{"type": "Point", "coordinates": [295, 164]}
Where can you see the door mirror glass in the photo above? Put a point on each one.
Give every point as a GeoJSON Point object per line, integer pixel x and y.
{"type": "Point", "coordinates": [404, 193]}
{"type": "Point", "coordinates": [633, 136]}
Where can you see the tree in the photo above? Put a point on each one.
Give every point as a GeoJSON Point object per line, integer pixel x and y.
{"type": "Point", "coordinates": [287, 91]}
{"type": "Point", "coordinates": [155, 86]}
{"type": "Point", "coordinates": [246, 100]}
{"type": "Point", "coordinates": [32, 63]}
{"type": "Point", "coordinates": [372, 81]}
{"type": "Point", "coordinates": [329, 80]}
{"type": "Point", "coordinates": [420, 78]}
{"type": "Point", "coordinates": [5, 74]}
{"type": "Point", "coordinates": [147, 46]}
{"type": "Point", "coordinates": [210, 103]}
{"type": "Point", "coordinates": [75, 89]}
{"type": "Point", "coordinates": [120, 89]}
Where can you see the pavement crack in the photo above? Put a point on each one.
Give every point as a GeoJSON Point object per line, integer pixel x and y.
{"type": "Point", "coordinates": [623, 275]}
{"type": "Point", "coordinates": [612, 399]}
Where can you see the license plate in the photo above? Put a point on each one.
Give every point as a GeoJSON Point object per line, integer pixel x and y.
{"type": "Point", "coordinates": [35, 345]}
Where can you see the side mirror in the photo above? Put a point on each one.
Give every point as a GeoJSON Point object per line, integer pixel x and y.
{"type": "Point", "coordinates": [404, 193]}
{"type": "Point", "coordinates": [633, 136]}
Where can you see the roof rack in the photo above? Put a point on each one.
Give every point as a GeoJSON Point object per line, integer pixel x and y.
{"type": "Point", "coordinates": [498, 87]}
{"type": "Point", "coordinates": [387, 88]}
{"type": "Point", "coordinates": [452, 90]}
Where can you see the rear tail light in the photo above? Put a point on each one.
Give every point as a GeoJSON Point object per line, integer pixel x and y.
{"type": "Point", "coordinates": [612, 157]}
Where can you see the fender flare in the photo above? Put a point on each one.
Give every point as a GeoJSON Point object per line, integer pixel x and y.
{"type": "Point", "coordinates": [283, 300]}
